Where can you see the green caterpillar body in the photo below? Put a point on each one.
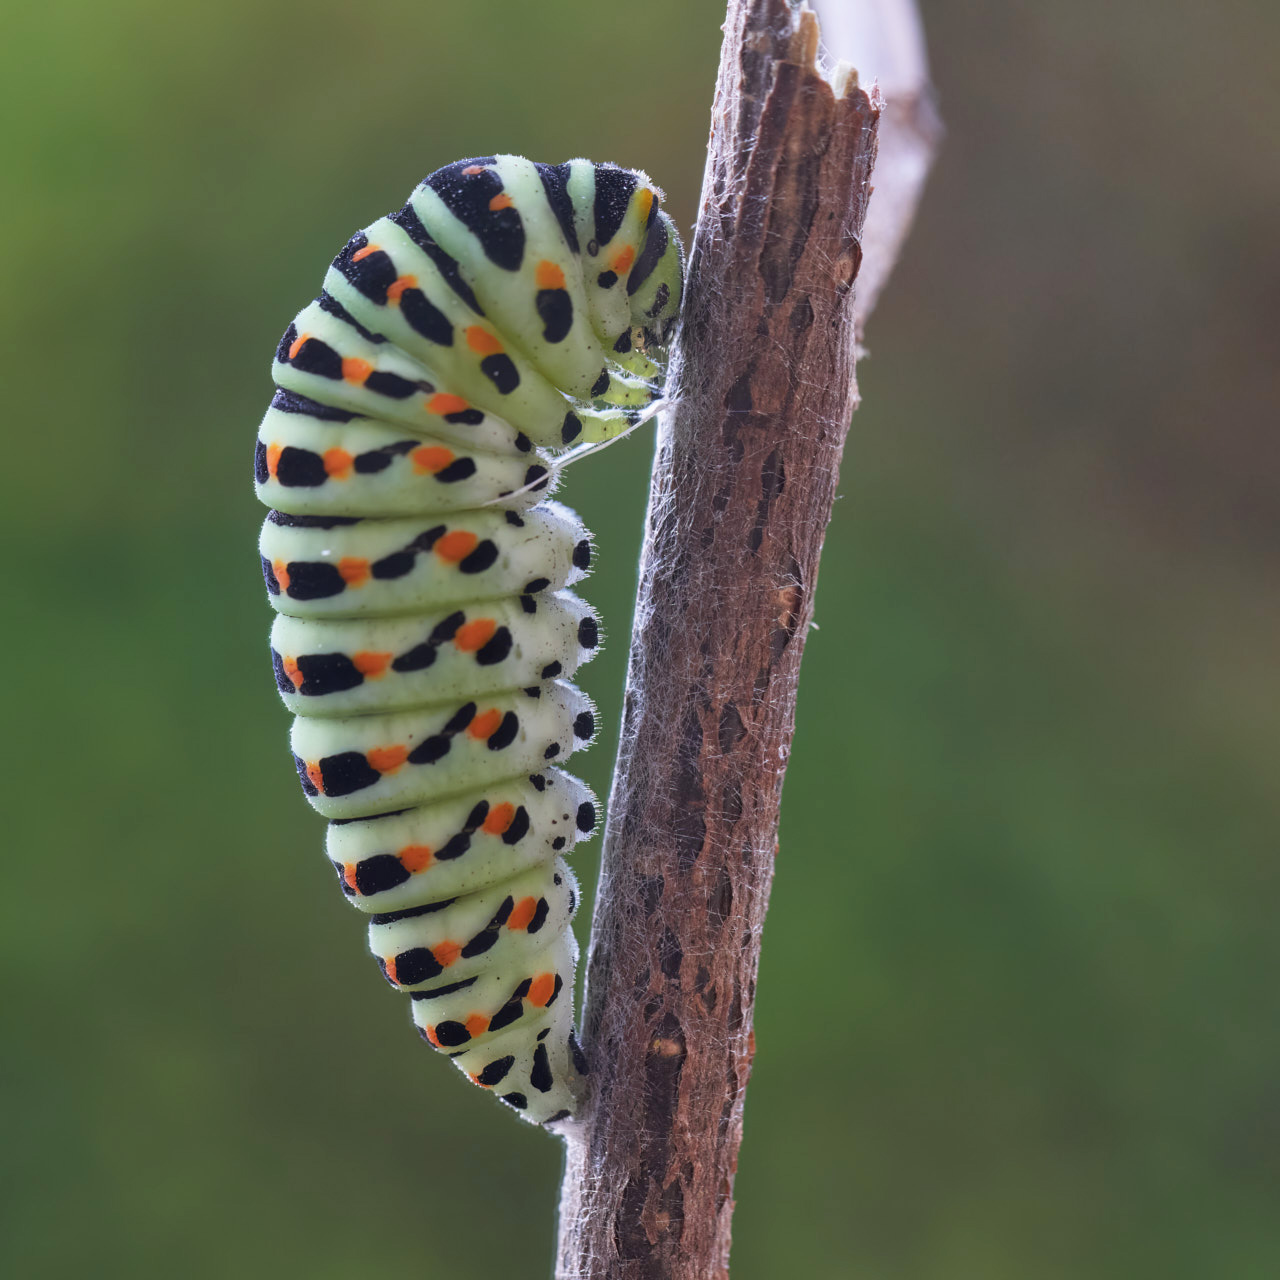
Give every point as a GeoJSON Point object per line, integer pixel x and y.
{"type": "Point", "coordinates": [425, 633]}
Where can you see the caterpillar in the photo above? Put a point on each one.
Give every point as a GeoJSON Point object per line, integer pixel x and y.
{"type": "Point", "coordinates": [461, 349]}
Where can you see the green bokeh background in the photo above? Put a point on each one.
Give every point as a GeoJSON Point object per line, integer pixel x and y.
{"type": "Point", "coordinates": [1018, 1007]}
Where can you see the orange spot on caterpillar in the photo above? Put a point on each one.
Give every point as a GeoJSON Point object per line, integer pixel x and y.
{"type": "Point", "coordinates": [349, 875]}
{"type": "Point", "coordinates": [430, 1033]}
{"type": "Point", "coordinates": [622, 260]}
{"type": "Point", "coordinates": [472, 169]}
{"type": "Point", "coordinates": [499, 202]}
{"type": "Point", "coordinates": [549, 276]}
{"type": "Point", "coordinates": [474, 635]}
{"type": "Point", "coordinates": [482, 342]}
{"type": "Point", "coordinates": [337, 463]}
{"type": "Point", "coordinates": [455, 546]}
{"type": "Point", "coordinates": [398, 286]}
{"type": "Point", "coordinates": [390, 963]}
{"type": "Point", "coordinates": [354, 570]}
{"type": "Point", "coordinates": [445, 403]}
{"type": "Point", "coordinates": [446, 953]}
{"type": "Point", "coordinates": [415, 858]}
{"type": "Point", "coordinates": [541, 990]}
{"type": "Point", "coordinates": [273, 459]}
{"type": "Point", "coordinates": [477, 1024]}
{"type": "Point", "coordinates": [315, 776]}
{"type": "Point", "coordinates": [291, 670]}
{"type": "Point", "coordinates": [281, 570]}
{"type": "Point", "coordinates": [501, 816]}
{"type": "Point", "coordinates": [387, 759]}
{"type": "Point", "coordinates": [371, 665]}
{"type": "Point", "coordinates": [430, 458]}
{"type": "Point", "coordinates": [485, 725]}
{"type": "Point", "coordinates": [361, 254]}
{"type": "Point", "coordinates": [356, 370]}
{"type": "Point", "coordinates": [644, 202]}
{"type": "Point", "coordinates": [522, 913]}
{"type": "Point", "coordinates": [298, 343]}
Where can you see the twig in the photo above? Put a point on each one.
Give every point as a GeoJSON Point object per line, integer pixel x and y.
{"type": "Point", "coordinates": [763, 382]}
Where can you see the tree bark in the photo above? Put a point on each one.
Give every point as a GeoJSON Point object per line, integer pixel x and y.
{"type": "Point", "coordinates": [762, 384]}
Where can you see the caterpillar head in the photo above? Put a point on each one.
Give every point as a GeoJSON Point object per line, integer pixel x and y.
{"type": "Point", "coordinates": [655, 304]}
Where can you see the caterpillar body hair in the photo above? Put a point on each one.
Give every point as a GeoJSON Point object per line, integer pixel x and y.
{"type": "Point", "coordinates": [505, 318]}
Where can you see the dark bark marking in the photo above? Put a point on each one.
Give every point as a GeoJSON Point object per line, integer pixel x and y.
{"type": "Point", "coordinates": [801, 319]}
{"type": "Point", "coordinates": [630, 1240]}
{"type": "Point", "coordinates": [651, 894]}
{"type": "Point", "coordinates": [731, 728]}
{"type": "Point", "coordinates": [772, 482]}
{"type": "Point", "coordinates": [720, 904]}
{"type": "Point", "coordinates": [672, 955]}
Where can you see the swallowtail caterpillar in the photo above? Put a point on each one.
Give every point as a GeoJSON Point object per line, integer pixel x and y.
{"type": "Point", "coordinates": [460, 349]}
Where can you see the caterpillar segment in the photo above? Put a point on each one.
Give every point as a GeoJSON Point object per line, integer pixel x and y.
{"type": "Point", "coordinates": [351, 666]}
{"type": "Point", "coordinates": [352, 766]}
{"type": "Point", "coordinates": [461, 845]}
{"type": "Point", "coordinates": [347, 567]}
{"type": "Point", "coordinates": [426, 630]}
{"type": "Point", "coordinates": [315, 460]}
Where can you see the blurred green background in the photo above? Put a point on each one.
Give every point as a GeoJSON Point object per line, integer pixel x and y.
{"type": "Point", "coordinates": [1042, 957]}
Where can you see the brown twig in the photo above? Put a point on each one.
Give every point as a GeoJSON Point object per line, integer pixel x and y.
{"type": "Point", "coordinates": [762, 377]}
